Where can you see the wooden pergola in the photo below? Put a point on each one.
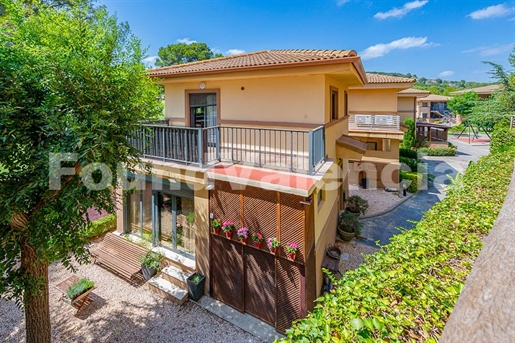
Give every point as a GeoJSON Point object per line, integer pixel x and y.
{"type": "Point", "coordinates": [432, 132]}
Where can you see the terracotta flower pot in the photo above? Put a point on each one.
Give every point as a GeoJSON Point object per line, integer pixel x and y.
{"type": "Point", "coordinates": [216, 230]}
{"type": "Point", "coordinates": [228, 234]}
{"type": "Point", "coordinates": [243, 240]}
{"type": "Point", "coordinates": [291, 257]}
{"type": "Point", "coordinates": [257, 244]}
{"type": "Point", "coordinates": [273, 250]}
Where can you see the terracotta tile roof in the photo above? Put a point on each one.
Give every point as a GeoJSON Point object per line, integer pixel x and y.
{"type": "Point", "coordinates": [414, 91]}
{"type": "Point", "coordinates": [380, 78]}
{"type": "Point", "coordinates": [479, 90]}
{"type": "Point", "coordinates": [435, 97]}
{"type": "Point", "coordinates": [263, 59]}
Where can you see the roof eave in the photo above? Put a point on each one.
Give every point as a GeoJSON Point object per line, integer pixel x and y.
{"type": "Point", "coordinates": [343, 60]}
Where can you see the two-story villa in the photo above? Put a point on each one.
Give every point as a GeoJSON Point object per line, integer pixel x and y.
{"type": "Point", "coordinates": [263, 140]}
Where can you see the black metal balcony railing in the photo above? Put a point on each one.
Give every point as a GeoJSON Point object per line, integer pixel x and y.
{"type": "Point", "coordinates": [294, 150]}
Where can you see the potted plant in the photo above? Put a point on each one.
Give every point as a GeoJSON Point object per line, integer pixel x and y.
{"type": "Point", "coordinates": [79, 287]}
{"type": "Point", "coordinates": [243, 234]}
{"type": "Point", "coordinates": [150, 264]}
{"type": "Point", "coordinates": [196, 283]}
{"type": "Point", "coordinates": [256, 238]}
{"type": "Point", "coordinates": [216, 224]}
{"type": "Point", "coordinates": [356, 205]}
{"type": "Point", "coordinates": [349, 226]}
{"type": "Point", "coordinates": [273, 244]}
{"type": "Point", "coordinates": [228, 227]}
{"type": "Point", "coordinates": [291, 250]}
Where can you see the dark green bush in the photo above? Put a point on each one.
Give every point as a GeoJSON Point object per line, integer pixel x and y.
{"type": "Point", "coordinates": [407, 290]}
{"type": "Point", "coordinates": [408, 139]}
{"type": "Point", "coordinates": [101, 226]}
{"type": "Point", "coordinates": [410, 162]}
{"type": "Point", "coordinates": [79, 287]}
{"type": "Point", "coordinates": [502, 140]}
{"type": "Point", "coordinates": [415, 178]}
{"type": "Point", "coordinates": [408, 153]}
{"type": "Point", "coordinates": [437, 151]}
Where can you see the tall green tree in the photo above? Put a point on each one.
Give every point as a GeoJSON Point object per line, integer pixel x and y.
{"type": "Point", "coordinates": [184, 53]}
{"type": "Point", "coordinates": [73, 88]}
{"type": "Point", "coordinates": [408, 141]}
{"type": "Point", "coordinates": [501, 105]}
{"type": "Point", "coordinates": [463, 104]}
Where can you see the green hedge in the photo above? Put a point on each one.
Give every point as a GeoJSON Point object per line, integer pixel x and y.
{"type": "Point", "coordinates": [408, 153]}
{"type": "Point", "coordinates": [101, 226]}
{"type": "Point", "coordinates": [437, 151]}
{"type": "Point", "coordinates": [407, 290]}
{"type": "Point", "coordinates": [415, 178]}
{"type": "Point", "coordinates": [502, 140]}
{"type": "Point", "coordinates": [410, 162]}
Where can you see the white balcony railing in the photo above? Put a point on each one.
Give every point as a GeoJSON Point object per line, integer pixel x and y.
{"type": "Point", "coordinates": [374, 122]}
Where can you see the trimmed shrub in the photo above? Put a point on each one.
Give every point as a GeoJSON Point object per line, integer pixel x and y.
{"type": "Point", "coordinates": [407, 290]}
{"type": "Point", "coordinates": [101, 226]}
{"type": "Point", "coordinates": [502, 140]}
{"type": "Point", "coordinates": [416, 180]}
{"type": "Point", "coordinates": [409, 136]}
{"type": "Point", "coordinates": [437, 151]}
{"type": "Point", "coordinates": [408, 153]}
{"type": "Point", "coordinates": [410, 162]}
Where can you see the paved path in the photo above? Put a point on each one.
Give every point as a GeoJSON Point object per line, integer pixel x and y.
{"type": "Point", "coordinates": [382, 228]}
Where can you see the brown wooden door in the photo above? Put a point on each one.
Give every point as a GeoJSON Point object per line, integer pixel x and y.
{"type": "Point", "coordinates": [227, 272]}
{"type": "Point", "coordinates": [259, 284]}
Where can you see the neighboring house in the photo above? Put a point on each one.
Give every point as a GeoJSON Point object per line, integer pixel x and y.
{"type": "Point", "coordinates": [482, 92]}
{"type": "Point", "coordinates": [407, 102]}
{"type": "Point", "coordinates": [433, 108]}
{"type": "Point", "coordinates": [262, 140]}
{"type": "Point", "coordinates": [375, 120]}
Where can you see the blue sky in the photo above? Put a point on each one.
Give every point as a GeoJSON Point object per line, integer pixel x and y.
{"type": "Point", "coordinates": [430, 38]}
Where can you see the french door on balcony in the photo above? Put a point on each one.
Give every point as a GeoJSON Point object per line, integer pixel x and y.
{"type": "Point", "coordinates": [203, 109]}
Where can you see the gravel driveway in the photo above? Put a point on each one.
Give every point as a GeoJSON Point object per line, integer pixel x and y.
{"type": "Point", "coordinates": [121, 313]}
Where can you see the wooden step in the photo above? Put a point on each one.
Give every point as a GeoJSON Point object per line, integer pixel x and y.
{"type": "Point", "coordinates": [176, 276]}
{"type": "Point", "coordinates": [167, 290]}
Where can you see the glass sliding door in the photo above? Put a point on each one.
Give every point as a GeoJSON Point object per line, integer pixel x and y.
{"type": "Point", "coordinates": [175, 224]}
{"type": "Point", "coordinates": [139, 212]}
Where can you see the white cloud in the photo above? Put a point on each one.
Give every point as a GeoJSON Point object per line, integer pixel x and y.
{"type": "Point", "coordinates": [150, 60]}
{"type": "Point", "coordinates": [186, 41]}
{"type": "Point", "coordinates": [231, 52]}
{"type": "Point", "coordinates": [382, 49]}
{"type": "Point", "coordinates": [446, 73]}
{"type": "Point", "coordinates": [399, 12]}
{"type": "Point", "coordinates": [341, 2]}
{"type": "Point", "coordinates": [491, 50]}
{"type": "Point", "coordinates": [492, 12]}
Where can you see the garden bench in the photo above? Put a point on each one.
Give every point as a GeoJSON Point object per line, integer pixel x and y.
{"type": "Point", "coordinates": [79, 301]}
{"type": "Point", "coordinates": [120, 256]}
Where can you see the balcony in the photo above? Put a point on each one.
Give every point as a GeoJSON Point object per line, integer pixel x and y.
{"type": "Point", "coordinates": [293, 150]}
{"type": "Point", "coordinates": [374, 122]}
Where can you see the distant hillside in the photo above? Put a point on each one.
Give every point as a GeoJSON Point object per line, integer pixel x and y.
{"type": "Point", "coordinates": [439, 86]}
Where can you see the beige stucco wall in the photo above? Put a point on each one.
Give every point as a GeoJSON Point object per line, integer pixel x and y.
{"type": "Point", "coordinates": [406, 107]}
{"type": "Point", "coordinates": [369, 100]}
{"type": "Point", "coordinates": [291, 99]}
{"type": "Point", "coordinates": [326, 217]}
{"type": "Point", "coordinates": [201, 201]}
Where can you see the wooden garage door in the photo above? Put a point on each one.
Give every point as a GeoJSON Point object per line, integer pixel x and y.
{"type": "Point", "coordinates": [227, 272]}
{"type": "Point", "coordinates": [260, 284]}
